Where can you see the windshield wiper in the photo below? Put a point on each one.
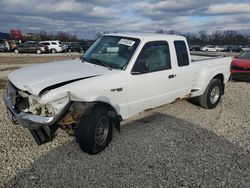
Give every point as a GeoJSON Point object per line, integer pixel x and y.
{"type": "Point", "coordinates": [100, 62]}
{"type": "Point", "coordinates": [82, 59]}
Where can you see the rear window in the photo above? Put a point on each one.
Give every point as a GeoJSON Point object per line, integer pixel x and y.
{"type": "Point", "coordinates": [181, 53]}
{"type": "Point", "coordinates": [54, 43]}
{"type": "Point", "coordinates": [45, 43]}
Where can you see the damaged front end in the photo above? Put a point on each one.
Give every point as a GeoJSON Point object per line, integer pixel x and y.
{"type": "Point", "coordinates": [40, 119]}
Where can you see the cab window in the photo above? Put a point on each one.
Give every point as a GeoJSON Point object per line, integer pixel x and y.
{"type": "Point", "coordinates": [181, 53]}
{"type": "Point", "coordinates": [155, 56]}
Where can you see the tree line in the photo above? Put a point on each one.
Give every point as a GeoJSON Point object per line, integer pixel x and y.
{"type": "Point", "coordinates": [227, 37]}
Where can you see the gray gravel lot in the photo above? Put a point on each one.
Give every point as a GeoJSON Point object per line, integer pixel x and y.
{"type": "Point", "coordinates": [178, 145]}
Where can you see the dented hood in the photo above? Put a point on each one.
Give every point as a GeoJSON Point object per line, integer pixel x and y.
{"type": "Point", "coordinates": [36, 78]}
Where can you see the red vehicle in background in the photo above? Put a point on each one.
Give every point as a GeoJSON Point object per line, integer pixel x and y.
{"type": "Point", "coordinates": [240, 68]}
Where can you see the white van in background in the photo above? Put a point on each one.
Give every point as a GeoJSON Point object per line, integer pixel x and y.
{"type": "Point", "coordinates": [54, 46]}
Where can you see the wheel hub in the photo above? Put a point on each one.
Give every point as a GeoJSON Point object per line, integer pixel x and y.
{"type": "Point", "coordinates": [215, 94]}
{"type": "Point", "coordinates": [101, 131]}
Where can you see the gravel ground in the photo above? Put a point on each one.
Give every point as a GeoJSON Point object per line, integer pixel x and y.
{"type": "Point", "coordinates": [178, 145]}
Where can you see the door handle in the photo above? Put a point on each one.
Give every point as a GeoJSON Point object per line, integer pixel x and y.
{"type": "Point", "coordinates": [171, 76]}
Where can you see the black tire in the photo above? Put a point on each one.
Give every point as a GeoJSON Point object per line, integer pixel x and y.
{"type": "Point", "coordinates": [206, 50]}
{"type": "Point", "coordinates": [53, 51]}
{"type": "Point", "coordinates": [86, 132]}
{"type": "Point", "coordinates": [205, 99]}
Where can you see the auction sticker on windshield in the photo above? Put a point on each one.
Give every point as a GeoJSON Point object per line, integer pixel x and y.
{"type": "Point", "coordinates": [126, 42]}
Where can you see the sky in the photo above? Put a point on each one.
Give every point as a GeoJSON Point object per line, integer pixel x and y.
{"type": "Point", "coordinates": [85, 18]}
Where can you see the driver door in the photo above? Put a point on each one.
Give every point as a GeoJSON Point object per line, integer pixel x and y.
{"type": "Point", "coordinates": [152, 81]}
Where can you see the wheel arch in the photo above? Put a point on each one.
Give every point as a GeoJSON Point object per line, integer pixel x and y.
{"type": "Point", "coordinates": [87, 108]}
{"type": "Point", "coordinates": [220, 77]}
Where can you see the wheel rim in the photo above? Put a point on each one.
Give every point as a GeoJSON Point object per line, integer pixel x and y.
{"type": "Point", "coordinates": [215, 94]}
{"type": "Point", "coordinates": [101, 131]}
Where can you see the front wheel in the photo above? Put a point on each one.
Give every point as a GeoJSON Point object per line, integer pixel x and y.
{"type": "Point", "coordinates": [211, 97]}
{"type": "Point", "coordinates": [38, 51]}
{"type": "Point", "coordinates": [94, 131]}
{"type": "Point", "coordinates": [16, 51]}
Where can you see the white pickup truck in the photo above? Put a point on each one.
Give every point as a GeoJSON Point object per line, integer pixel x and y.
{"type": "Point", "coordinates": [120, 76]}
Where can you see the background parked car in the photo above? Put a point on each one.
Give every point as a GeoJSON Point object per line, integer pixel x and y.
{"type": "Point", "coordinates": [4, 46]}
{"type": "Point", "coordinates": [195, 48]}
{"type": "Point", "coordinates": [212, 48]}
{"type": "Point", "coordinates": [232, 48]}
{"type": "Point", "coordinates": [30, 47]}
{"type": "Point", "coordinates": [75, 47]}
{"type": "Point", "coordinates": [240, 67]}
{"type": "Point", "coordinates": [55, 46]}
{"type": "Point", "coordinates": [246, 48]}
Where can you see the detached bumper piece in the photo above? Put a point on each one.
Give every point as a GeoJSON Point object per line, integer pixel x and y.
{"type": "Point", "coordinates": [43, 129]}
{"type": "Point", "coordinates": [44, 134]}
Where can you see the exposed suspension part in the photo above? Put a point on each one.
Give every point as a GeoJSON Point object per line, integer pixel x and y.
{"type": "Point", "coordinates": [69, 122]}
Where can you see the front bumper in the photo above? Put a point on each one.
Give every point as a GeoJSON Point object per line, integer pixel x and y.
{"type": "Point", "coordinates": [29, 120]}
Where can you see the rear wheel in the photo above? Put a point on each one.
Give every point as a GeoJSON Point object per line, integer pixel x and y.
{"type": "Point", "coordinates": [53, 51]}
{"type": "Point", "coordinates": [16, 51]}
{"type": "Point", "coordinates": [212, 95]}
{"type": "Point", "coordinates": [94, 131]}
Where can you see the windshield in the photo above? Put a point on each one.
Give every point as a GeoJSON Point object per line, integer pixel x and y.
{"type": "Point", "coordinates": [245, 55]}
{"type": "Point", "coordinates": [112, 51]}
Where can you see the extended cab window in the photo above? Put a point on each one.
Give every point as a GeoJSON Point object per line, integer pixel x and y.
{"type": "Point", "coordinates": [182, 53]}
{"type": "Point", "coordinates": [154, 56]}
{"type": "Point", "coordinates": [45, 43]}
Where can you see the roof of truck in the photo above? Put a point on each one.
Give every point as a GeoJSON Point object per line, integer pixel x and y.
{"type": "Point", "coordinates": [148, 36]}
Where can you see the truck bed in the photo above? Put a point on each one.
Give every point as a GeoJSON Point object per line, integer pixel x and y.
{"type": "Point", "coordinates": [204, 57]}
